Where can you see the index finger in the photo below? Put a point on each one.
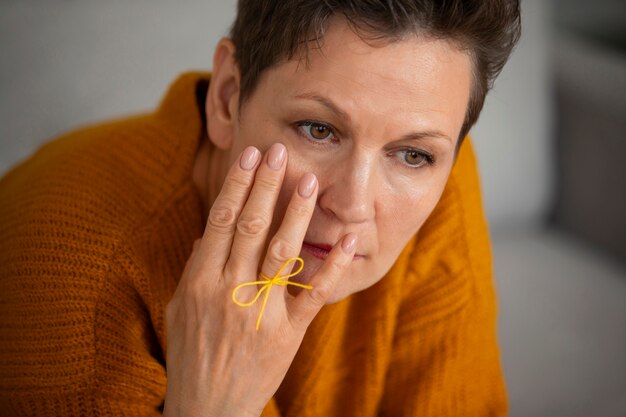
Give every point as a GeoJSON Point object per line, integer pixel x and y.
{"type": "Point", "coordinates": [223, 215]}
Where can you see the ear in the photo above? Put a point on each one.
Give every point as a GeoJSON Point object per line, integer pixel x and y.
{"type": "Point", "coordinates": [222, 100]}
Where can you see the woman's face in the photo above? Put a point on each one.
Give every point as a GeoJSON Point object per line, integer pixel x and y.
{"type": "Point", "coordinates": [378, 126]}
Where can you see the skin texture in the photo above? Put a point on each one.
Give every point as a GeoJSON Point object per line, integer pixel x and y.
{"type": "Point", "coordinates": [355, 181]}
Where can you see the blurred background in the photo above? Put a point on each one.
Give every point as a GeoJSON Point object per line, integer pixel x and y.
{"type": "Point", "coordinates": [551, 143]}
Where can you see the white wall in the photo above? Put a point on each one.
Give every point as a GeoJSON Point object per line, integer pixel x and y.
{"type": "Point", "coordinates": [513, 135]}
{"type": "Point", "coordinates": [66, 63]}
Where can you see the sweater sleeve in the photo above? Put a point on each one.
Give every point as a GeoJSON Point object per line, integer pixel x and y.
{"type": "Point", "coordinates": [81, 309]}
{"type": "Point", "coordinates": [88, 347]}
{"type": "Point", "coordinates": [445, 358]}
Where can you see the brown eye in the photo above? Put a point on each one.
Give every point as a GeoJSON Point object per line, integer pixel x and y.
{"type": "Point", "coordinates": [414, 158]}
{"type": "Point", "coordinates": [317, 131]}
{"type": "Point", "coordinates": [320, 131]}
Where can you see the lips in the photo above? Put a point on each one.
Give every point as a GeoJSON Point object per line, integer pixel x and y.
{"type": "Point", "coordinates": [321, 250]}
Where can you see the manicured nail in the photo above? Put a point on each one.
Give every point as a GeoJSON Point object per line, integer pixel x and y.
{"type": "Point", "coordinates": [276, 156]}
{"type": "Point", "coordinates": [349, 243]}
{"type": "Point", "coordinates": [249, 158]}
{"type": "Point", "coordinates": [307, 185]}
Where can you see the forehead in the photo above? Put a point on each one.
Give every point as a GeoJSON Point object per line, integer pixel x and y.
{"type": "Point", "coordinates": [412, 77]}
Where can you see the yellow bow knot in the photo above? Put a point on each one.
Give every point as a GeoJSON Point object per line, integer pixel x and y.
{"type": "Point", "coordinates": [267, 283]}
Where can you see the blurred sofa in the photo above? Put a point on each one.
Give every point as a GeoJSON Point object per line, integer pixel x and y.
{"type": "Point", "coordinates": [562, 280]}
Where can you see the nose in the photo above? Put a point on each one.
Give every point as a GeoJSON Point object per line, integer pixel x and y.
{"type": "Point", "coordinates": [349, 188]}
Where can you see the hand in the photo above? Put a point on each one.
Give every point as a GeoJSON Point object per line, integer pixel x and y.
{"type": "Point", "coordinates": [217, 363]}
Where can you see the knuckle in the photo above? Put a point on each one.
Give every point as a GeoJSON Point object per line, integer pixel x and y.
{"type": "Point", "coordinates": [336, 268]}
{"type": "Point", "coordinates": [252, 226]}
{"type": "Point", "coordinates": [268, 182]}
{"type": "Point", "coordinates": [221, 217]}
{"type": "Point", "coordinates": [298, 210]}
{"type": "Point", "coordinates": [243, 295]}
{"type": "Point", "coordinates": [280, 249]}
{"type": "Point", "coordinates": [239, 181]}
{"type": "Point", "coordinates": [320, 294]}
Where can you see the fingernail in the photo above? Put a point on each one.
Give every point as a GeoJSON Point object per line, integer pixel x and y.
{"type": "Point", "coordinates": [276, 156]}
{"type": "Point", "coordinates": [249, 158]}
{"type": "Point", "coordinates": [307, 185]}
{"type": "Point", "coordinates": [349, 243]}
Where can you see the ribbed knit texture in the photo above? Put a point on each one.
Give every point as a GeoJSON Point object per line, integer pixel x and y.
{"type": "Point", "coordinates": [95, 230]}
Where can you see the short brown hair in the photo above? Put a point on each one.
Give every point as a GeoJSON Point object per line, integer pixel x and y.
{"type": "Point", "coordinates": [266, 32]}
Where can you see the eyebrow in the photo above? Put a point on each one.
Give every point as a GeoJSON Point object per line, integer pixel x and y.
{"type": "Point", "coordinates": [427, 134]}
{"type": "Point", "coordinates": [326, 103]}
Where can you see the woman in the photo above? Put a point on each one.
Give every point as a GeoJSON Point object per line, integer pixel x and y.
{"type": "Point", "coordinates": [328, 131]}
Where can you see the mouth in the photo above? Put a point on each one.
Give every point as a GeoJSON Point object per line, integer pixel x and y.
{"type": "Point", "coordinates": [322, 250]}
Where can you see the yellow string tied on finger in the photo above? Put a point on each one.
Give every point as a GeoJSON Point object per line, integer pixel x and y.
{"type": "Point", "coordinates": [267, 283]}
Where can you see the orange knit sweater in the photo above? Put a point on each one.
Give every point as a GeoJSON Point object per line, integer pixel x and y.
{"type": "Point", "coordinates": [95, 230]}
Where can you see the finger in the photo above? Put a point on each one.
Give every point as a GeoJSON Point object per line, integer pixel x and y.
{"type": "Point", "coordinates": [254, 223]}
{"type": "Point", "coordinates": [287, 242]}
{"type": "Point", "coordinates": [304, 307]}
{"type": "Point", "coordinates": [222, 218]}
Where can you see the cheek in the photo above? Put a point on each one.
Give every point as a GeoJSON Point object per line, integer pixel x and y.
{"type": "Point", "coordinates": [404, 214]}
{"type": "Point", "coordinates": [255, 130]}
